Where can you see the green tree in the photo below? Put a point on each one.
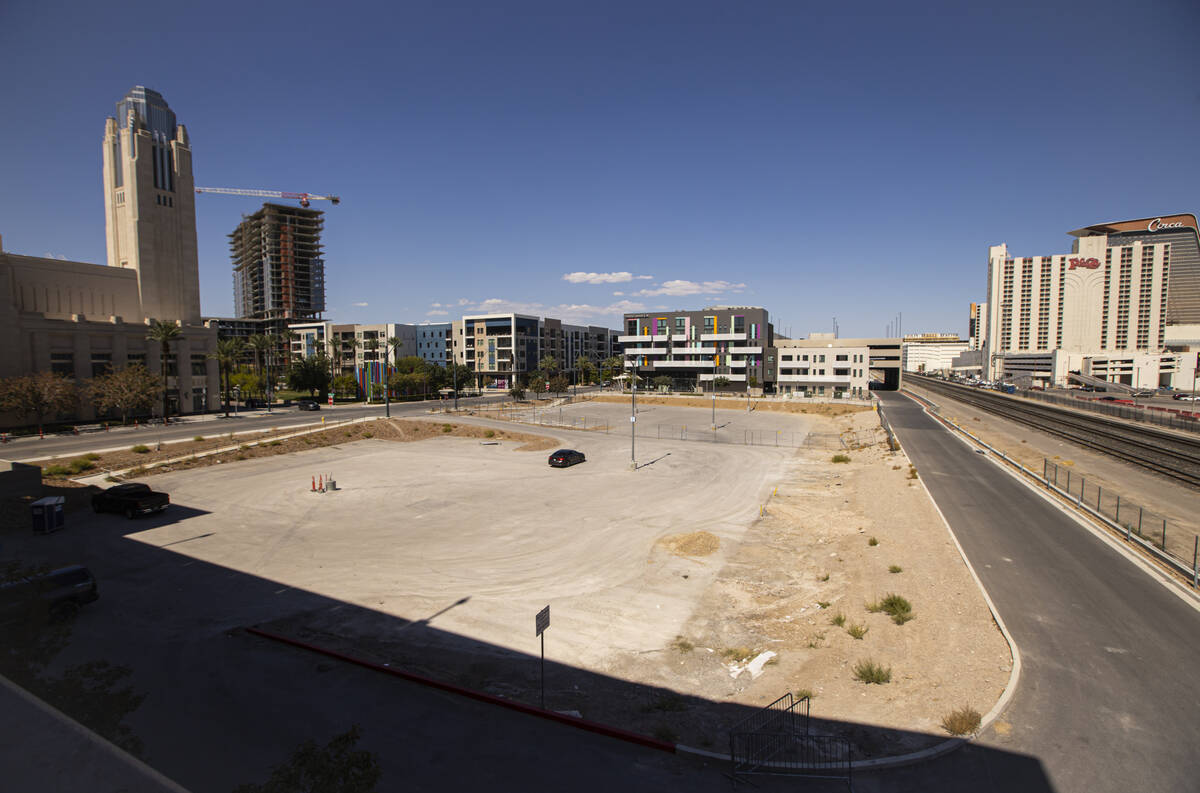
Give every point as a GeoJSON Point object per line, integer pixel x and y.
{"type": "Point", "coordinates": [720, 382]}
{"type": "Point", "coordinates": [246, 383]}
{"type": "Point", "coordinates": [309, 374]}
{"type": "Point", "coordinates": [548, 366]}
{"type": "Point", "coordinates": [662, 382]}
{"type": "Point", "coordinates": [337, 767]}
{"type": "Point", "coordinates": [586, 369]}
{"type": "Point", "coordinates": [345, 385]}
{"type": "Point", "coordinates": [130, 390]}
{"type": "Point", "coordinates": [537, 384]}
{"type": "Point", "coordinates": [517, 393]}
{"type": "Point", "coordinates": [229, 352]}
{"type": "Point", "coordinates": [164, 332]}
{"type": "Point", "coordinates": [261, 345]}
{"type": "Point", "coordinates": [559, 384]}
{"type": "Point", "coordinates": [39, 395]}
{"type": "Point", "coordinates": [612, 367]}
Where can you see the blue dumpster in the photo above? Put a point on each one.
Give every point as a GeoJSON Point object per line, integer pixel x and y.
{"type": "Point", "coordinates": [48, 514]}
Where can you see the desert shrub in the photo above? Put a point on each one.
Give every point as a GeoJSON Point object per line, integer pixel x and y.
{"type": "Point", "coordinates": [824, 577]}
{"type": "Point", "coordinates": [872, 542]}
{"type": "Point", "coordinates": [895, 606]}
{"type": "Point", "coordinates": [857, 631]}
{"type": "Point", "coordinates": [961, 721]}
{"type": "Point", "coordinates": [56, 470]}
{"type": "Point", "coordinates": [895, 568]}
{"type": "Point", "coordinates": [489, 434]}
{"type": "Point", "coordinates": [81, 464]}
{"type": "Point", "coordinates": [447, 428]}
{"type": "Point", "coordinates": [198, 438]}
{"type": "Point", "coordinates": [682, 645]}
{"type": "Point", "coordinates": [838, 619]}
{"type": "Point", "coordinates": [140, 448]}
{"type": "Point", "coordinates": [804, 693]}
{"type": "Point", "coordinates": [738, 653]}
{"type": "Point", "coordinates": [870, 672]}
{"type": "Point", "coordinates": [91, 456]}
{"type": "Point", "coordinates": [841, 458]}
{"type": "Point", "coordinates": [823, 604]}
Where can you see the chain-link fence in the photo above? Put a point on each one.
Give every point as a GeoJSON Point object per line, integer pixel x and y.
{"type": "Point", "coordinates": [1175, 418]}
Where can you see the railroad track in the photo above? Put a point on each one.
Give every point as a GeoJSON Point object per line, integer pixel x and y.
{"type": "Point", "coordinates": [1164, 452]}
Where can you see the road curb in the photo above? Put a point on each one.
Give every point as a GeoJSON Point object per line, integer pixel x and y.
{"type": "Point", "coordinates": [491, 699]}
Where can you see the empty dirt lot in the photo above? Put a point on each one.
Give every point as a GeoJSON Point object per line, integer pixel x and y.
{"type": "Point", "coordinates": [703, 583]}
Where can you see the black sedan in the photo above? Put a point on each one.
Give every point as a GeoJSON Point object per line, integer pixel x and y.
{"type": "Point", "coordinates": [308, 404]}
{"type": "Point", "coordinates": [566, 457]}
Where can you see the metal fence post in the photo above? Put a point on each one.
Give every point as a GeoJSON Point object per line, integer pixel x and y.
{"type": "Point", "coordinates": [1068, 481]}
{"type": "Point", "coordinates": [1118, 508]}
{"type": "Point", "coordinates": [1082, 488]}
{"type": "Point", "coordinates": [1045, 469]}
{"type": "Point", "coordinates": [1099, 492]}
{"type": "Point", "coordinates": [1195, 569]}
{"type": "Point", "coordinates": [1140, 511]}
{"type": "Point", "coordinates": [1164, 541]}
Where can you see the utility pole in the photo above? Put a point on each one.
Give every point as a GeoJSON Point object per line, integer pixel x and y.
{"type": "Point", "coordinates": [633, 421]}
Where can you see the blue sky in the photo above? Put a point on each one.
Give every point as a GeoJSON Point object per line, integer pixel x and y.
{"type": "Point", "coordinates": [820, 159]}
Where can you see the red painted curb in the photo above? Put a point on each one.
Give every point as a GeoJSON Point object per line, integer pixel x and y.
{"type": "Point", "coordinates": [491, 699]}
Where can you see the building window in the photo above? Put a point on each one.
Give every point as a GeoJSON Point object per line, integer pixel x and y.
{"type": "Point", "coordinates": [101, 363]}
{"type": "Point", "coordinates": [199, 365]}
{"type": "Point", "coordinates": [62, 363]}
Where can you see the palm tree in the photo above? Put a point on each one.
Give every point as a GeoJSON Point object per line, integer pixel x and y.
{"type": "Point", "coordinates": [164, 333]}
{"type": "Point", "coordinates": [261, 345]}
{"type": "Point", "coordinates": [229, 352]}
{"type": "Point", "coordinates": [391, 345]}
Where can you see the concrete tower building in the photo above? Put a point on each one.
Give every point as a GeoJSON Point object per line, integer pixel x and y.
{"type": "Point", "coordinates": [278, 267]}
{"type": "Point", "coordinates": [150, 207]}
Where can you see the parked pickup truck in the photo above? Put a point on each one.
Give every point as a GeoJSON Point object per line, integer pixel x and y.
{"type": "Point", "coordinates": [131, 499]}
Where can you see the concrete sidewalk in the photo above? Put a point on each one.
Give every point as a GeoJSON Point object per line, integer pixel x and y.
{"type": "Point", "coordinates": [42, 749]}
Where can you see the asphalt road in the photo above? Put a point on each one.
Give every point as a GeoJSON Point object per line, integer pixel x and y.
{"type": "Point", "coordinates": [1108, 698]}
{"type": "Point", "coordinates": [34, 448]}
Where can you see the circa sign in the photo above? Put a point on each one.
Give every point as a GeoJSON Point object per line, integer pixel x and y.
{"type": "Point", "coordinates": [1158, 224]}
{"type": "Point", "coordinates": [1091, 263]}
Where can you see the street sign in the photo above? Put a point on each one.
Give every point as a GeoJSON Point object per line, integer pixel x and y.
{"type": "Point", "coordinates": [330, 397]}
{"type": "Point", "coordinates": [543, 620]}
{"type": "Point", "coordinates": [632, 419]}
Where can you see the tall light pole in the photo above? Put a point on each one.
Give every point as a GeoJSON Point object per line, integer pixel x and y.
{"type": "Point", "coordinates": [633, 421]}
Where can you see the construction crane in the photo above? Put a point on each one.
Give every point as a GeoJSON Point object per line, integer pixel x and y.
{"type": "Point", "coordinates": [303, 198]}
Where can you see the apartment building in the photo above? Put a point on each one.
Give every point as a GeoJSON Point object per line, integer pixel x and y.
{"type": "Point", "coordinates": [502, 349]}
{"type": "Point", "coordinates": [695, 348]}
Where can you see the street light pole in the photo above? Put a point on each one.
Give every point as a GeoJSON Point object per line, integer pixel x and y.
{"type": "Point", "coordinates": [633, 421]}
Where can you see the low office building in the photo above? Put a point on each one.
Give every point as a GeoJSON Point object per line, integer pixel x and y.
{"type": "Point", "coordinates": [932, 352]}
{"type": "Point", "coordinates": [823, 365]}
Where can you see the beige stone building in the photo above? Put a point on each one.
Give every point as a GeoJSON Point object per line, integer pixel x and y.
{"type": "Point", "coordinates": [79, 319]}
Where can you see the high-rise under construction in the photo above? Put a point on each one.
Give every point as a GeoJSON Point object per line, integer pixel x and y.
{"type": "Point", "coordinates": [278, 269]}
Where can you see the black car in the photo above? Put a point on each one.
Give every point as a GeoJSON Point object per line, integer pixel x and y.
{"type": "Point", "coordinates": [58, 594]}
{"type": "Point", "coordinates": [566, 457]}
{"type": "Point", "coordinates": [131, 499]}
{"type": "Point", "coordinates": [308, 404]}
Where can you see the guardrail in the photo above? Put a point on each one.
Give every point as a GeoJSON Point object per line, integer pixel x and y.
{"type": "Point", "coordinates": [1050, 482]}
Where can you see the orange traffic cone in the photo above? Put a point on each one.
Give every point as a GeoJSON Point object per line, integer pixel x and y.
{"type": "Point", "coordinates": [314, 484]}
{"type": "Point", "coordinates": [321, 485]}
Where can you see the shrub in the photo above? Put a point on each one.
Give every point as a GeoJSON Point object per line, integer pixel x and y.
{"type": "Point", "coordinates": [841, 458]}
{"type": "Point", "coordinates": [81, 464]}
{"type": "Point", "coordinates": [895, 568]}
{"type": "Point", "coordinates": [198, 438]}
{"type": "Point", "coordinates": [838, 619]}
{"type": "Point", "coordinates": [857, 631]}
{"type": "Point", "coordinates": [912, 472]}
{"type": "Point", "coordinates": [804, 693]}
{"type": "Point", "coordinates": [823, 604]}
{"type": "Point", "coordinates": [824, 577]}
{"type": "Point", "coordinates": [872, 542]}
{"type": "Point", "coordinates": [961, 721]}
{"type": "Point", "coordinates": [897, 607]}
{"type": "Point", "coordinates": [489, 434]}
{"type": "Point", "coordinates": [91, 456]}
{"type": "Point", "coordinates": [56, 470]}
{"type": "Point", "coordinates": [870, 672]}
{"type": "Point", "coordinates": [447, 428]}
{"type": "Point", "coordinates": [274, 443]}
{"type": "Point", "coordinates": [738, 653]}
{"type": "Point", "coordinates": [682, 645]}
{"type": "Point", "coordinates": [140, 448]}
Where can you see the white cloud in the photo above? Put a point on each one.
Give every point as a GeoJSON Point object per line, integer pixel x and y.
{"type": "Point", "coordinates": [363, 304]}
{"type": "Point", "coordinates": [619, 294]}
{"type": "Point", "coordinates": [679, 288]}
{"type": "Point", "coordinates": [605, 278]}
{"type": "Point", "coordinates": [437, 312]}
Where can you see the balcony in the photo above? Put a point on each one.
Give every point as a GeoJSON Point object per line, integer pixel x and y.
{"type": "Point", "coordinates": [813, 378]}
{"type": "Point", "coordinates": [694, 351]}
{"type": "Point", "coordinates": [682, 364]}
{"type": "Point", "coordinates": [722, 337]}
{"type": "Point", "coordinates": [635, 339]}
{"type": "Point", "coordinates": [747, 350]}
